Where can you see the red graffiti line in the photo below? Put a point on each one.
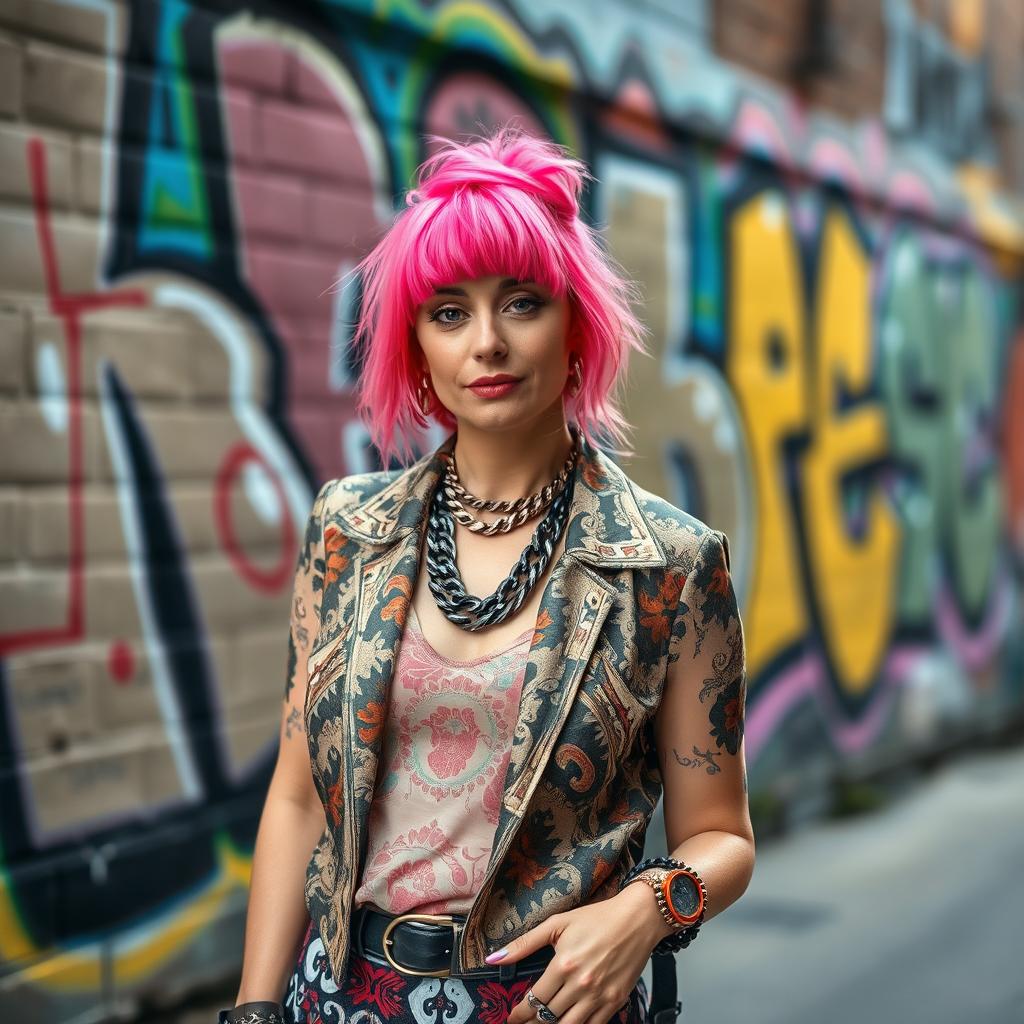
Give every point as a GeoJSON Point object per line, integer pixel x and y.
{"type": "Point", "coordinates": [69, 308]}
{"type": "Point", "coordinates": [270, 580]}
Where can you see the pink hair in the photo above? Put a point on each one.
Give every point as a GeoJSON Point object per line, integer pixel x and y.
{"type": "Point", "coordinates": [508, 204]}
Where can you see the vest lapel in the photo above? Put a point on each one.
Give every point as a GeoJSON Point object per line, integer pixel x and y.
{"type": "Point", "coordinates": [393, 524]}
{"type": "Point", "coordinates": [386, 583]}
{"type": "Point", "coordinates": [605, 529]}
{"type": "Point", "coordinates": [574, 606]}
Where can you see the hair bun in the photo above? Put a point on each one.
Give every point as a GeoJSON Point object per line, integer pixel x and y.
{"type": "Point", "coordinates": [508, 160]}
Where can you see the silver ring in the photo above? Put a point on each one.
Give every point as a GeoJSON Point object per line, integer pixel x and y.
{"type": "Point", "coordinates": [544, 1012]}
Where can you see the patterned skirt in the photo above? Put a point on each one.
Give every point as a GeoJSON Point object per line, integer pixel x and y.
{"type": "Point", "coordinates": [373, 993]}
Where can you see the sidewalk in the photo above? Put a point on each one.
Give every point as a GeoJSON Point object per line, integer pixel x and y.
{"type": "Point", "coordinates": [913, 912]}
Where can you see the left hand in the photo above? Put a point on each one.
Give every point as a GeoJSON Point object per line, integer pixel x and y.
{"type": "Point", "coordinates": [600, 952]}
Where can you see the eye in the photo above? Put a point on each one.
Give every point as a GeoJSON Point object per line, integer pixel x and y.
{"type": "Point", "coordinates": [533, 303]}
{"type": "Point", "coordinates": [439, 317]}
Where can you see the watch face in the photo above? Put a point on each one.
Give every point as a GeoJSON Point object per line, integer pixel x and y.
{"type": "Point", "coordinates": [683, 894]}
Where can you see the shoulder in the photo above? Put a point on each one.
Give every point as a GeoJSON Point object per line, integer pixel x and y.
{"type": "Point", "coordinates": [682, 535]}
{"type": "Point", "coordinates": [345, 492]}
{"type": "Point", "coordinates": [339, 495]}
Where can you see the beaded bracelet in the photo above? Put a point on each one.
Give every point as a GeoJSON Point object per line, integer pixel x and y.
{"type": "Point", "coordinates": [682, 937]}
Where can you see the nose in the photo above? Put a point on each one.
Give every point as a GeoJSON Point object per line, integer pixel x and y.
{"type": "Point", "coordinates": [488, 342]}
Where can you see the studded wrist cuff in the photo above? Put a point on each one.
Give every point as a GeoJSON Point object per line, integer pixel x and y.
{"type": "Point", "coordinates": [684, 934]}
{"type": "Point", "coordinates": [259, 1012]}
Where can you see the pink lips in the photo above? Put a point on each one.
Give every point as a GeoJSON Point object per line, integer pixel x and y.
{"type": "Point", "coordinates": [495, 390]}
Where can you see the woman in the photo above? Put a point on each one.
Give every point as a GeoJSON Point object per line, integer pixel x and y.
{"type": "Point", "coordinates": [477, 773]}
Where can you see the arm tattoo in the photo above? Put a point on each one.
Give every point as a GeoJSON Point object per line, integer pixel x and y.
{"type": "Point", "coordinates": [289, 673]}
{"type": "Point", "coordinates": [703, 757]}
{"type": "Point", "coordinates": [298, 620]}
{"type": "Point", "coordinates": [297, 632]}
{"type": "Point", "coordinates": [293, 721]}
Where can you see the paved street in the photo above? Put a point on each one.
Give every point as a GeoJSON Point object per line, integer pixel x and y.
{"type": "Point", "coordinates": [914, 913]}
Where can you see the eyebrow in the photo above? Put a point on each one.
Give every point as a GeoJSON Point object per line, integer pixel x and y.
{"type": "Point", "coordinates": [509, 282]}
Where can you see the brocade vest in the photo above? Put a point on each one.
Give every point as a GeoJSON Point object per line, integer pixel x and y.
{"type": "Point", "coordinates": [583, 777]}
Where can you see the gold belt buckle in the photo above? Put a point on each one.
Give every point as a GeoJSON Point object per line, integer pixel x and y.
{"type": "Point", "coordinates": [432, 918]}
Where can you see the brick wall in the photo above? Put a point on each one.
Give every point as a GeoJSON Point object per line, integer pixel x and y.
{"type": "Point", "coordinates": [837, 55]}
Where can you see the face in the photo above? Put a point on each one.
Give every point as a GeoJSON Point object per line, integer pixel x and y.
{"type": "Point", "coordinates": [495, 327]}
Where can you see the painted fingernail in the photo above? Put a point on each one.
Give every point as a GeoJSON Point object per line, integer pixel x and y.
{"type": "Point", "coordinates": [495, 956]}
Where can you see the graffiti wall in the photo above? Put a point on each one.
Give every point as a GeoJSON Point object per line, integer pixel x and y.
{"type": "Point", "coordinates": [836, 380]}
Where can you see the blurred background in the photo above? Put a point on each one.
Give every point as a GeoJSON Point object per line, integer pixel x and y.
{"type": "Point", "coordinates": [822, 203]}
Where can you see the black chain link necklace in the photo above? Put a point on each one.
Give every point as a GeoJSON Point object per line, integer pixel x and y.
{"type": "Point", "coordinates": [445, 580]}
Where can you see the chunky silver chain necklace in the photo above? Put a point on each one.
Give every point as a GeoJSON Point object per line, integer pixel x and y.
{"type": "Point", "coordinates": [520, 511]}
{"type": "Point", "coordinates": [445, 580]}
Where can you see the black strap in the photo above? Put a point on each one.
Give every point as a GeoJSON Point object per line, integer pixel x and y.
{"type": "Point", "coordinates": [664, 1008]}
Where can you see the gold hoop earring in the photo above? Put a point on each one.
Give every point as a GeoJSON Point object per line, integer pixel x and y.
{"type": "Point", "coordinates": [575, 375]}
{"type": "Point", "coordinates": [423, 395]}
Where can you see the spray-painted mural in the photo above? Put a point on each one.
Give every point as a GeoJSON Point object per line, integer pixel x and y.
{"type": "Point", "coordinates": [837, 381]}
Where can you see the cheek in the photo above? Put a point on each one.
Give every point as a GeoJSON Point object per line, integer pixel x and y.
{"type": "Point", "coordinates": [548, 344]}
{"type": "Point", "coordinates": [555, 357]}
{"type": "Point", "coordinates": [439, 359]}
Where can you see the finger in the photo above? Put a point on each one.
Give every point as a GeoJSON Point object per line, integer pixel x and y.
{"type": "Point", "coordinates": [523, 1012]}
{"type": "Point", "coordinates": [527, 943]}
{"type": "Point", "coordinates": [586, 998]}
{"type": "Point", "coordinates": [578, 1000]}
{"type": "Point", "coordinates": [578, 1011]}
{"type": "Point", "coordinates": [544, 988]}
{"type": "Point", "coordinates": [569, 1009]}
{"type": "Point", "coordinates": [621, 1015]}
{"type": "Point", "coordinates": [605, 1012]}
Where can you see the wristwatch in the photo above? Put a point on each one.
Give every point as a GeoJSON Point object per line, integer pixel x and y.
{"type": "Point", "coordinates": [680, 892]}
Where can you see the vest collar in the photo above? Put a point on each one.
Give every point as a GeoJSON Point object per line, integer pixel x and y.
{"type": "Point", "coordinates": [607, 527]}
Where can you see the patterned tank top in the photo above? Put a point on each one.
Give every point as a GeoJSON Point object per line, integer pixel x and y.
{"type": "Point", "coordinates": [445, 750]}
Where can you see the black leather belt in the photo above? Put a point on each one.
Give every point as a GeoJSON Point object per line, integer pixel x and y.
{"type": "Point", "coordinates": [424, 945]}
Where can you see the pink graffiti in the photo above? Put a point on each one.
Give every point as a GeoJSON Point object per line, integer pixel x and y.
{"type": "Point", "coordinates": [1013, 440]}
{"type": "Point", "coordinates": [305, 195]}
{"type": "Point", "coordinates": [976, 650]}
{"type": "Point", "coordinates": [465, 99]}
{"type": "Point", "coordinates": [806, 679]}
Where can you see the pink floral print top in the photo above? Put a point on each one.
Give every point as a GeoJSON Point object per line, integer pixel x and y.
{"type": "Point", "coordinates": [445, 750]}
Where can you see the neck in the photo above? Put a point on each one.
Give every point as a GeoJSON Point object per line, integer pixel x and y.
{"type": "Point", "coordinates": [506, 465]}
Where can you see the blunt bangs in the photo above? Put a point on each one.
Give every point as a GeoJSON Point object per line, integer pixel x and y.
{"type": "Point", "coordinates": [464, 239]}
